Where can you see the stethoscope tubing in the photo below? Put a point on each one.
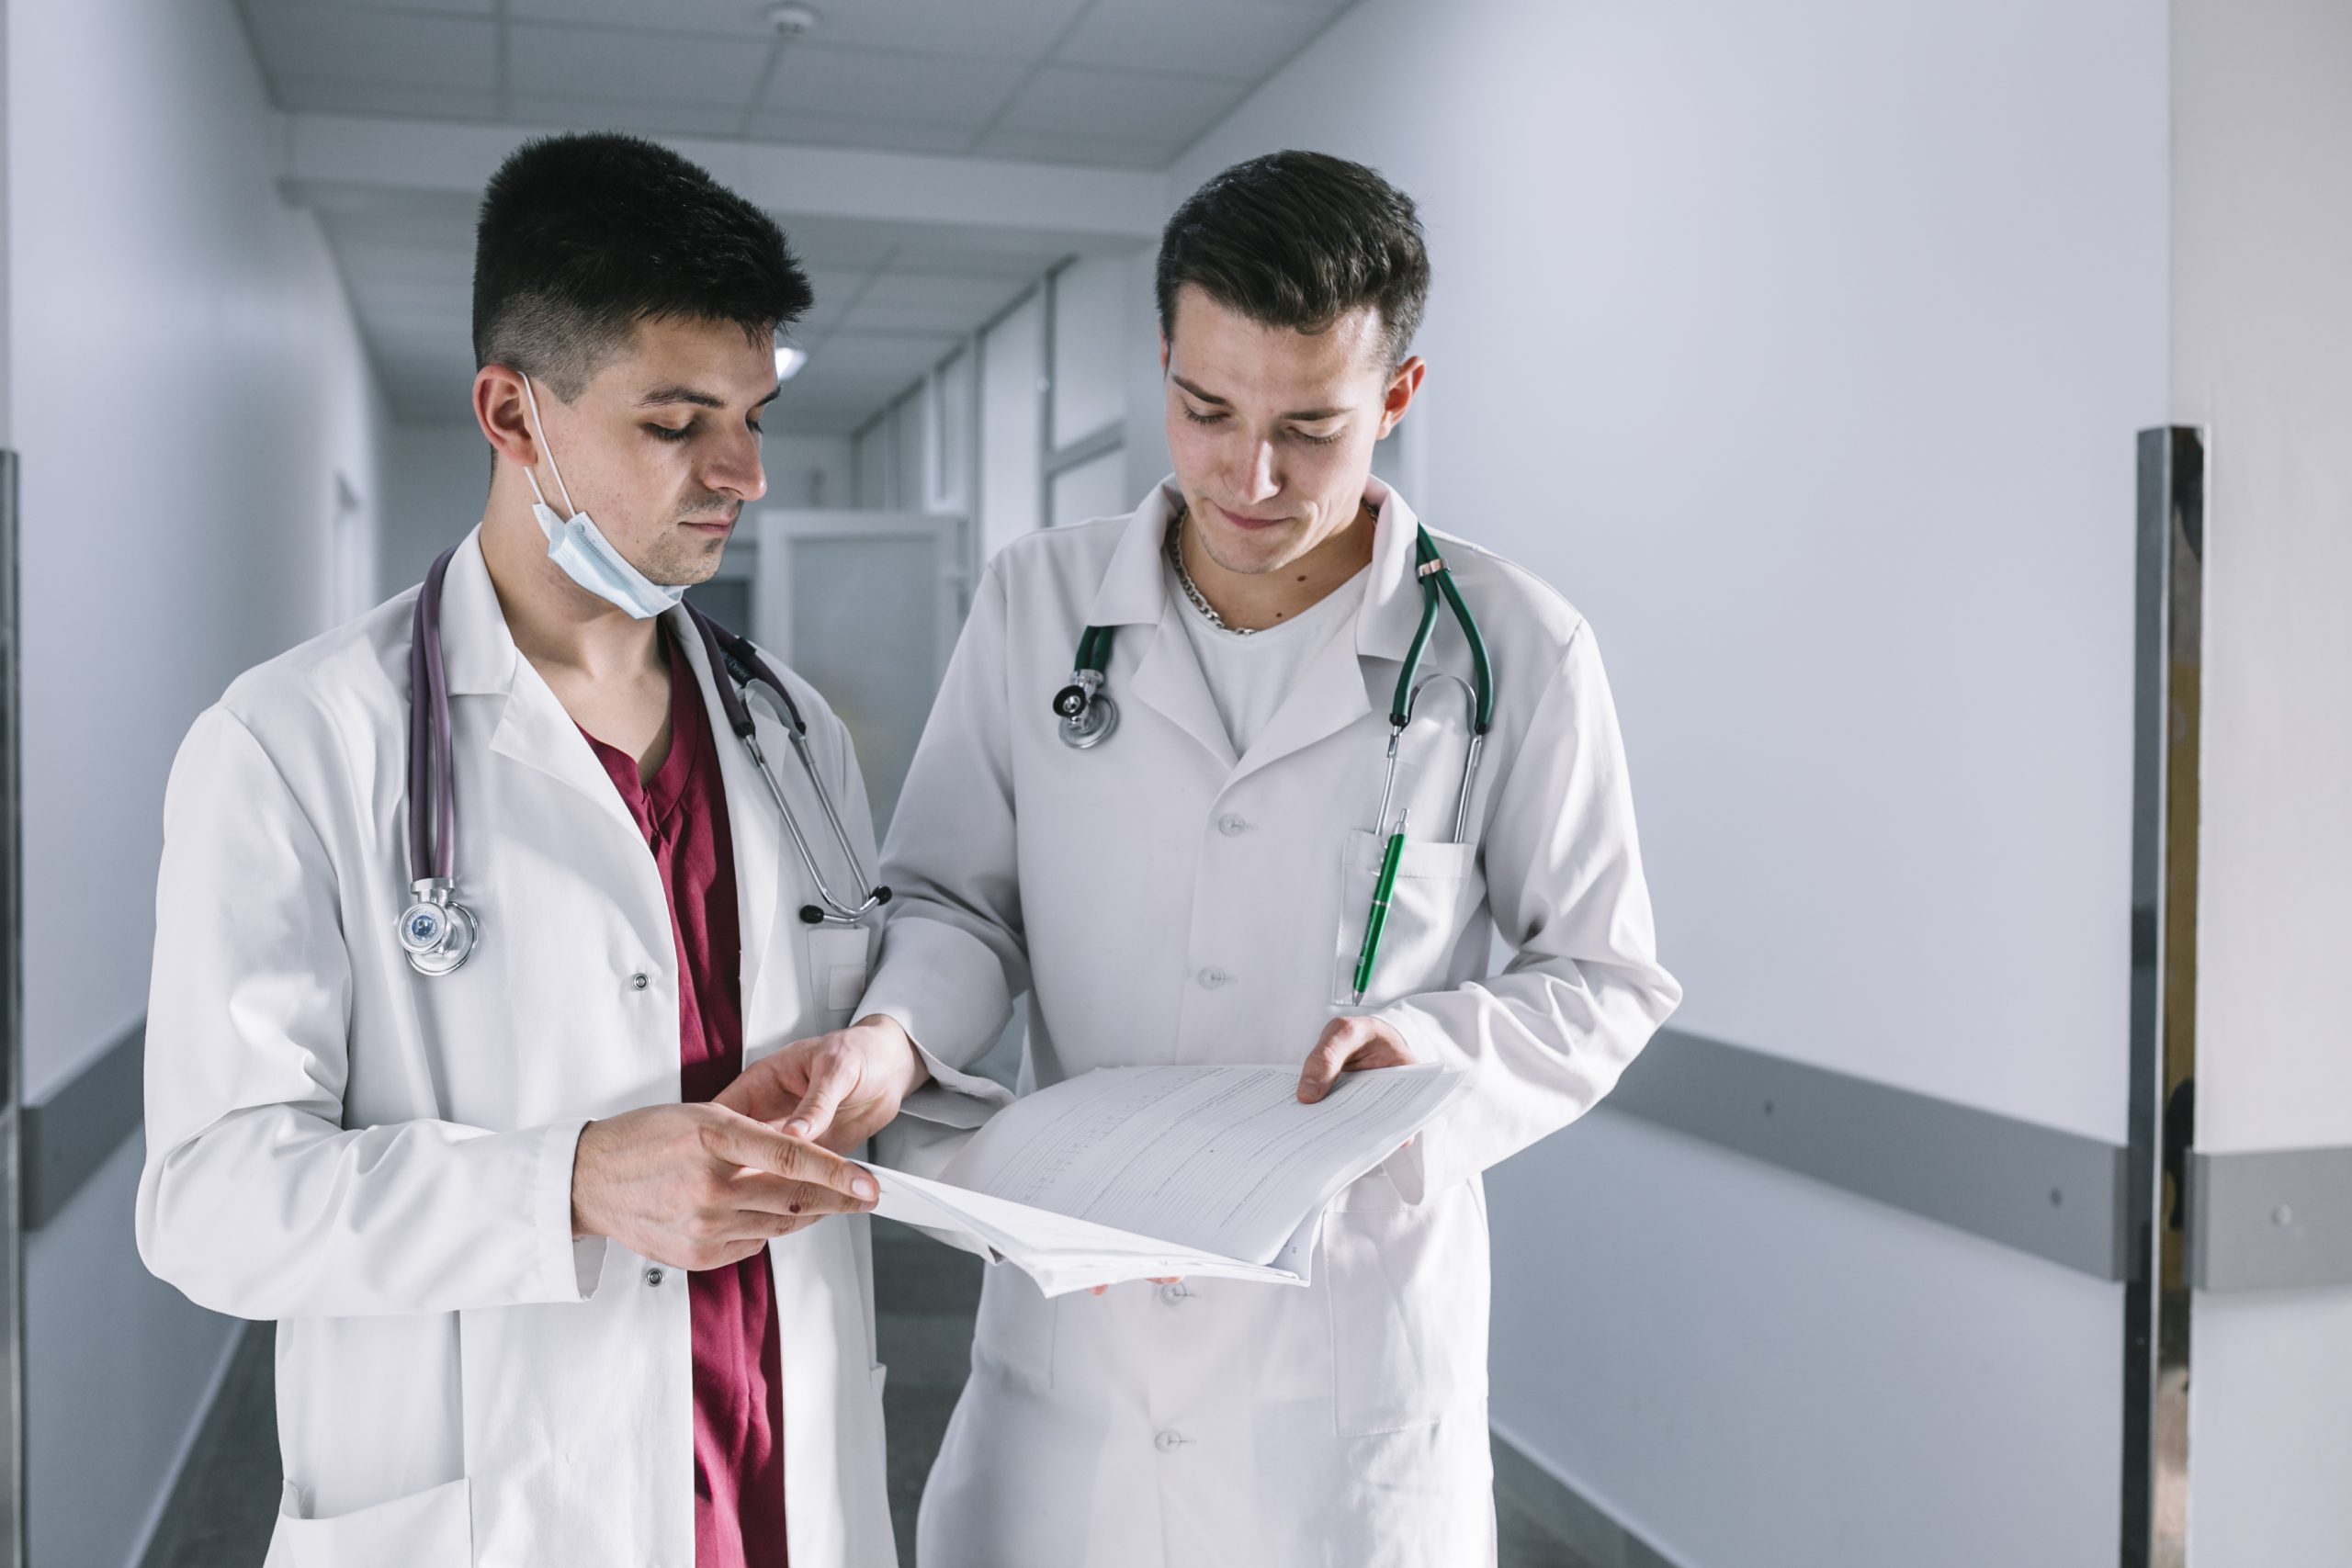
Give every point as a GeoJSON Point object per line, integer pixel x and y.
{"type": "Point", "coordinates": [432, 811]}
{"type": "Point", "coordinates": [1085, 713]}
{"type": "Point", "coordinates": [735, 665]}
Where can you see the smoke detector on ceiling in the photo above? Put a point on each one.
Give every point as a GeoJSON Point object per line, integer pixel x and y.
{"type": "Point", "coordinates": [793, 21]}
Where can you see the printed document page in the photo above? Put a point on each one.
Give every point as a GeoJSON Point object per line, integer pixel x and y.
{"type": "Point", "coordinates": [1195, 1169]}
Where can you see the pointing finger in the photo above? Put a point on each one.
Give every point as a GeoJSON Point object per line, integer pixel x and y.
{"type": "Point", "coordinates": [831, 1075]}
{"type": "Point", "coordinates": [748, 1143]}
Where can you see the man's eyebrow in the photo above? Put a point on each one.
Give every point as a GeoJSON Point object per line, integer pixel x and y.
{"type": "Point", "coordinates": [662, 395]}
{"type": "Point", "coordinates": [1304, 416]}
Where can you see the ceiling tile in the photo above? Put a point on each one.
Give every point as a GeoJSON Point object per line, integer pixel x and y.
{"type": "Point", "coordinates": [373, 46]}
{"type": "Point", "coordinates": [869, 316]}
{"type": "Point", "coordinates": [737, 18]}
{"type": "Point", "coordinates": [1023, 261]}
{"type": "Point", "coordinates": [997, 30]}
{"type": "Point", "coordinates": [1238, 40]}
{"type": "Point", "coordinates": [414, 100]}
{"type": "Point", "coordinates": [898, 284]}
{"type": "Point", "coordinates": [916, 88]}
{"type": "Point", "coordinates": [840, 244]}
{"type": "Point", "coordinates": [1079, 147]}
{"type": "Point", "coordinates": [635, 65]}
{"type": "Point", "coordinates": [446, 7]}
{"type": "Point", "coordinates": [843, 130]}
{"type": "Point", "coordinates": [1131, 106]}
{"type": "Point", "coordinates": [638, 119]}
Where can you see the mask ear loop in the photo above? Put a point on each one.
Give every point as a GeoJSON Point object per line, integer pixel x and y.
{"type": "Point", "coordinates": [553, 467]}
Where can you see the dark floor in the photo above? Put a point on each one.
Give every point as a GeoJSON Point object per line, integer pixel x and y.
{"type": "Point", "coordinates": [926, 1294]}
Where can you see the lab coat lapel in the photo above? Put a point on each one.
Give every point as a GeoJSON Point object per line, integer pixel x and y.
{"type": "Point", "coordinates": [1329, 696]}
{"type": "Point", "coordinates": [479, 659]}
{"type": "Point", "coordinates": [1134, 596]}
{"type": "Point", "coordinates": [1332, 693]}
{"type": "Point", "coordinates": [751, 819]}
{"type": "Point", "coordinates": [1169, 682]}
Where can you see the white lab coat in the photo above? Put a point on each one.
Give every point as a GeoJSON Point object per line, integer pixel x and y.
{"type": "Point", "coordinates": [383, 1162]}
{"type": "Point", "coordinates": [1166, 901]}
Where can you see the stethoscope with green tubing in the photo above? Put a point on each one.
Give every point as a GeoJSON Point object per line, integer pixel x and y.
{"type": "Point", "coordinates": [1087, 715]}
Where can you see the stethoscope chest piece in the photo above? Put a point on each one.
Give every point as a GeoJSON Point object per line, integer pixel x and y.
{"type": "Point", "coordinates": [437, 932]}
{"type": "Point", "coordinates": [1087, 712]}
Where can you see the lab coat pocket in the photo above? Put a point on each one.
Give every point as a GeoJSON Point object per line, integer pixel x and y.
{"type": "Point", "coordinates": [1438, 885]}
{"type": "Point", "coordinates": [837, 965]}
{"type": "Point", "coordinates": [433, 1528]}
{"type": "Point", "coordinates": [1407, 1296]}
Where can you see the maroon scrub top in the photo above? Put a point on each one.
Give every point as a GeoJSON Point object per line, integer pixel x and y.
{"type": "Point", "coordinates": [738, 1347]}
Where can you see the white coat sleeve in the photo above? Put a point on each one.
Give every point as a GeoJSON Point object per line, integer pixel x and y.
{"type": "Point", "coordinates": [954, 953]}
{"type": "Point", "coordinates": [1547, 1037]}
{"type": "Point", "coordinates": [951, 1099]}
{"type": "Point", "coordinates": [257, 1199]}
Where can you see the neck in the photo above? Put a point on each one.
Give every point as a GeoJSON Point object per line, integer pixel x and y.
{"type": "Point", "coordinates": [1248, 601]}
{"type": "Point", "coordinates": [564, 630]}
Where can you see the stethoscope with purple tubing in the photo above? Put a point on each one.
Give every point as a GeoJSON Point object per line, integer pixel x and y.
{"type": "Point", "coordinates": [439, 932]}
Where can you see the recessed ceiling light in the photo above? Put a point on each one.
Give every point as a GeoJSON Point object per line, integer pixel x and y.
{"type": "Point", "coordinates": [793, 21]}
{"type": "Point", "coordinates": [788, 361]}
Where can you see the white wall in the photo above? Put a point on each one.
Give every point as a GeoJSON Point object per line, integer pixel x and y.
{"type": "Point", "coordinates": [1803, 347]}
{"type": "Point", "coordinates": [2261, 355]}
{"type": "Point", "coordinates": [435, 485]}
{"type": "Point", "coordinates": [200, 386]}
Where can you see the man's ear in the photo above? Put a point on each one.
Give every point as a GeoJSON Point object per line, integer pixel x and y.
{"type": "Point", "coordinates": [1164, 353]}
{"type": "Point", "coordinates": [502, 413]}
{"type": "Point", "coordinates": [1404, 385]}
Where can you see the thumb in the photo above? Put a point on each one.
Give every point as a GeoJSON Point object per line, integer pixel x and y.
{"type": "Point", "coordinates": [1324, 1062]}
{"type": "Point", "coordinates": [832, 1074]}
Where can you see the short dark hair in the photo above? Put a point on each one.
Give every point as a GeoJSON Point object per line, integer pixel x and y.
{"type": "Point", "coordinates": [582, 237]}
{"type": "Point", "coordinates": [1298, 239]}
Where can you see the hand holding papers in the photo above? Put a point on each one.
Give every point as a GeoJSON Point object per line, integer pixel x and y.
{"type": "Point", "coordinates": [1124, 1173]}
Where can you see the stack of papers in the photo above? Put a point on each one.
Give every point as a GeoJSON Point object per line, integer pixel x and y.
{"type": "Point", "coordinates": [1125, 1173]}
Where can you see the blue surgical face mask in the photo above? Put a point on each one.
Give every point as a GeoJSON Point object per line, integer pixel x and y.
{"type": "Point", "coordinates": [577, 547]}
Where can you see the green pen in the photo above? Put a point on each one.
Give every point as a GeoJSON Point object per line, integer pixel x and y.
{"type": "Point", "coordinates": [1379, 916]}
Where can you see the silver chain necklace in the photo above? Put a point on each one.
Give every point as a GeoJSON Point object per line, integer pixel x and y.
{"type": "Point", "coordinates": [1184, 578]}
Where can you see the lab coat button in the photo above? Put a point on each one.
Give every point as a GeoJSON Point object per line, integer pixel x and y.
{"type": "Point", "coordinates": [1211, 978]}
{"type": "Point", "coordinates": [653, 1277]}
{"type": "Point", "coordinates": [1232, 826]}
{"type": "Point", "coordinates": [638, 981]}
{"type": "Point", "coordinates": [1168, 1442]}
{"type": "Point", "coordinates": [1173, 1295]}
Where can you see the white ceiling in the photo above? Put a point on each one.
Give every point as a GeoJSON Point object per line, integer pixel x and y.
{"type": "Point", "coordinates": [1125, 84]}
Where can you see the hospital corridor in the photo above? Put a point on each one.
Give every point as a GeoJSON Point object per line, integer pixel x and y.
{"type": "Point", "coordinates": [1175, 783]}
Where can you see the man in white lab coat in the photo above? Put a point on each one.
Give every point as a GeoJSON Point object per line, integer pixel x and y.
{"type": "Point", "coordinates": [1195, 887]}
{"type": "Point", "coordinates": [539, 1301]}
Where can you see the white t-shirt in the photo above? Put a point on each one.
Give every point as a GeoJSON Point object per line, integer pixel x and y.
{"type": "Point", "coordinates": [1249, 674]}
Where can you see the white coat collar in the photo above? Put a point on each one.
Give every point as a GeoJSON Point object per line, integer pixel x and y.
{"type": "Point", "coordinates": [479, 659]}
{"type": "Point", "coordinates": [1135, 589]}
{"type": "Point", "coordinates": [1330, 694]}
{"type": "Point", "coordinates": [477, 652]}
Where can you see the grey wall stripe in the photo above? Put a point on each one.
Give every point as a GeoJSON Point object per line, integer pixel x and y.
{"type": "Point", "coordinates": [2264, 1220]}
{"type": "Point", "coordinates": [69, 1136]}
{"type": "Point", "coordinates": [2053, 1194]}
{"type": "Point", "coordinates": [1590, 1532]}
